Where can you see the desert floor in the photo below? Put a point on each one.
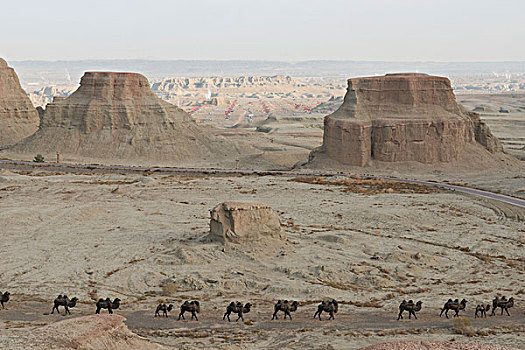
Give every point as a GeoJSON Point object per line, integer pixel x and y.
{"type": "Point", "coordinates": [143, 238]}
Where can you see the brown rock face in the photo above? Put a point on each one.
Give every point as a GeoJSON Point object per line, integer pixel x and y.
{"type": "Point", "coordinates": [18, 117]}
{"type": "Point", "coordinates": [243, 222]}
{"type": "Point", "coordinates": [116, 116]}
{"type": "Point", "coordinates": [94, 332]}
{"type": "Point", "coordinates": [400, 117]}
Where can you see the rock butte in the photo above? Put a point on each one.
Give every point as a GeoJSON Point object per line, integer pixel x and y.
{"type": "Point", "coordinates": [402, 117]}
{"type": "Point", "coordinates": [116, 115]}
{"type": "Point", "coordinates": [18, 116]}
{"type": "Point", "coordinates": [244, 222]}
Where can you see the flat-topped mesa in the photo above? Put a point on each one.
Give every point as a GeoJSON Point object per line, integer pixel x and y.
{"type": "Point", "coordinates": [18, 116]}
{"type": "Point", "coordinates": [399, 117]}
{"type": "Point", "coordinates": [116, 116]}
{"type": "Point", "coordinates": [114, 86]}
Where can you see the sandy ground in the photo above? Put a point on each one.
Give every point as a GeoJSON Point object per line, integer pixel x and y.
{"type": "Point", "coordinates": [144, 239]}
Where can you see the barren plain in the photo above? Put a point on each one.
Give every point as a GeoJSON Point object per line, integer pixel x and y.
{"type": "Point", "coordinates": [369, 244]}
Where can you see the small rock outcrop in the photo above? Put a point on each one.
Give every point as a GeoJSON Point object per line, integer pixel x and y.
{"type": "Point", "coordinates": [87, 332]}
{"type": "Point", "coordinates": [401, 117]}
{"type": "Point", "coordinates": [244, 222]}
{"type": "Point", "coordinates": [435, 345]}
{"type": "Point", "coordinates": [18, 116]}
{"type": "Point", "coordinates": [115, 116]}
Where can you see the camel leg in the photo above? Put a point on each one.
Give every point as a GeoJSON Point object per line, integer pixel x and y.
{"type": "Point", "coordinates": [53, 309]}
{"type": "Point", "coordinates": [400, 316]}
{"type": "Point", "coordinates": [446, 313]}
{"type": "Point", "coordinates": [275, 316]}
{"type": "Point", "coordinates": [241, 317]}
{"type": "Point", "coordinates": [507, 311]}
{"type": "Point", "coordinates": [441, 313]}
{"type": "Point", "coordinates": [225, 314]}
{"type": "Point", "coordinates": [110, 310]}
{"type": "Point", "coordinates": [193, 314]}
{"type": "Point", "coordinates": [331, 316]}
{"type": "Point", "coordinates": [181, 315]}
{"type": "Point", "coordinates": [67, 310]}
{"type": "Point", "coordinates": [3, 307]}
{"type": "Point", "coordinates": [289, 315]}
{"type": "Point", "coordinates": [414, 313]}
{"type": "Point", "coordinates": [316, 313]}
{"type": "Point", "coordinates": [98, 310]}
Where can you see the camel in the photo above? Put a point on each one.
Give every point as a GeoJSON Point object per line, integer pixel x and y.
{"type": "Point", "coordinates": [454, 306]}
{"type": "Point", "coordinates": [63, 300]}
{"type": "Point", "coordinates": [190, 306]}
{"type": "Point", "coordinates": [165, 309]}
{"type": "Point", "coordinates": [107, 304]}
{"type": "Point", "coordinates": [238, 309]}
{"type": "Point", "coordinates": [410, 307]}
{"type": "Point", "coordinates": [4, 298]}
{"type": "Point", "coordinates": [286, 307]}
{"type": "Point", "coordinates": [502, 303]}
{"type": "Point", "coordinates": [327, 306]}
{"type": "Point", "coordinates": [482, 310]}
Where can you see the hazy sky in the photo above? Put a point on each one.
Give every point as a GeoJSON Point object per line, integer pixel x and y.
{"type": "Point", "coordinates": [291, 30]}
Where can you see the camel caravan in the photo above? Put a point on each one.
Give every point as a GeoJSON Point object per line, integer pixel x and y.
{"type": "Point", "coordinates": [286, 307]}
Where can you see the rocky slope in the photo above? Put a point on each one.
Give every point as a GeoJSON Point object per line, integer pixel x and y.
{"type": "Point", "coordinates": [115, 116]}
{"type": "Point", "coordinates": [88, 332]}
{"type": "Point", "coordinates": [18, 117]}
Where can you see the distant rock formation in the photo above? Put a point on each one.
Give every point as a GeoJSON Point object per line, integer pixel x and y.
{"type": "Point", "coordinates": [221, 82]}
{"type": "Point", "coordinates": [116, 116]}
{"type": "Point", "coordinates": [244, 222]}
{"type": "Point", "coordinates": [401, 117]}
{"type": "Point", "coordinates": [18, 116]}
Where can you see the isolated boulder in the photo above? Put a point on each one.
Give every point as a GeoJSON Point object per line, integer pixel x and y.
{"type": "Point", "coordinates": [400, 117]}
{"type": "Point", "coordinates": [244, 222]}
{"type": "Point", "coordinates": [116, 116]}
{"type": "Point", "coordinates": [18, 116]}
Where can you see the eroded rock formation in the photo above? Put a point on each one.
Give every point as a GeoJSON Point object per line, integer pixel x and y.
{"type": "Point", "coordinates": [116, 116]}
{"type": "Point", "coordinates": [18, 116]}
{"type": "Point", "coordinates": [435, 345]}
{"type": "Point", "coordinates": [92, 332]}
{"type": "Point", "coordinates": [401, 117]}
{"type": "Point", "coordinates": [244, 222]}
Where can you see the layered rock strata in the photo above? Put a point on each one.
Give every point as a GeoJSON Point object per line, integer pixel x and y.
{"type": "Point", "coordinates": [401, 117]}
{"type": "Point", "coordinates": [244, 222]}
{"type": "Point", "coordinates": [116, 116]}
{"type": "Point", "coordinates": [18, 116]}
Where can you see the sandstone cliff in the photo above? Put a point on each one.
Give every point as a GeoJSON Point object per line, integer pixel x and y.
{"type": "Point", "coordinates": [116, 116]}
{"type": "Point", "coordinates": [401, 117]}
{"type": "Point", "coordinates": [18, 117]}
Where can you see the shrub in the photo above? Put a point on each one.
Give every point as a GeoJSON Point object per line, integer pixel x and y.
{"type": "Point", "coordinates": [39, 158]}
